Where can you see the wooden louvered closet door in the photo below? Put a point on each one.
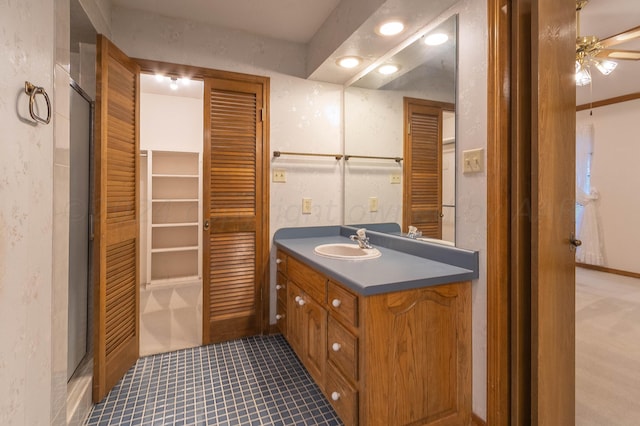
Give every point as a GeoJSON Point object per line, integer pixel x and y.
{"type": "Point", "coordinates": [234, 209]}
{"type": "Point", "coordinates": [116, 241]}
{"type": "Point", "coordinates": [422, 193]}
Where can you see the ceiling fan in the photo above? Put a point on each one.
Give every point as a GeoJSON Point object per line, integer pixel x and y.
{"type": "Point", "coordinates": [591, 51]}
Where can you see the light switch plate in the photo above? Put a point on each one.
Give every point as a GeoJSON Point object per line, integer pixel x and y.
{"type": "Point", "coordinates": [473, 160]}
{"type": "Point", "coordinates": [395, 178]}
{"type": "Point", "coordinates": [279, 175]}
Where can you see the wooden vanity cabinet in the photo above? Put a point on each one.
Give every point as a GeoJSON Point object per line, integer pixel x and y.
{"type": "Point", "coordinates": [281, 292]}
{"type": "Point", "coordinates": [400, 358]}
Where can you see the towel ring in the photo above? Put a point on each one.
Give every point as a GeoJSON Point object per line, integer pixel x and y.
{"type": "Point", "coordinates": [32, 90]}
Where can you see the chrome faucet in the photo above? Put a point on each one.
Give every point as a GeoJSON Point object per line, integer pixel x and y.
{"type": "Point", "coordinates": [361, 238]}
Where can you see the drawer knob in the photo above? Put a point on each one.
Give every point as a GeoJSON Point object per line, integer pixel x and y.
{"type": "Point", "coordinates": [298, 299]}
{"type": "Point", "coordinates": [336, 347]}
{"type": "Point", "coordinates": [279, 316]}
{"type": "Point", "coordinates": [336, 303]}
{"type": "Point", "coordinates": [278, 261]}
{"type": "Point", "coordinates": [279, 286]}
{"type": "Point", "coordinates": [335, 396]}
{"type": "Point", "coordinates": [301, 302]}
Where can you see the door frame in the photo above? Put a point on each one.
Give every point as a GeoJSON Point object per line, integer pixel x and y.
{"type": "Point", "coordinates": [512, 367]}
{"type": "Point", "coordinates": [200, 73]}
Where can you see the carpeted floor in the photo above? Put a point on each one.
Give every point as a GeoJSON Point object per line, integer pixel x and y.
{"type": "Point", "coordinates": [607, 349]}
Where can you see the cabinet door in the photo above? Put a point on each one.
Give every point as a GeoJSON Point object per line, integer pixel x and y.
{"type": "Point", "coordinates": [294, 318]}
{"type": "Point", "coordinates": [315, 339]}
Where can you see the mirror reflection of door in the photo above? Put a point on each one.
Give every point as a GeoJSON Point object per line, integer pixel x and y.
{"type": "Point", "coordinates": [423, 189]}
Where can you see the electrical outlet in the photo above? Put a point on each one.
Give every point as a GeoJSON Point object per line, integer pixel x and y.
{"type": "Point", "coordinates": [473, 160]}
{"type": "Point", "coordinates": [306, 206]}
{"type": "Point", "coordinates": [279, 176]}
{"type": "Point", "coordinates": [373, 204]}
{"type": "Point", "coordinates": [395, 178]}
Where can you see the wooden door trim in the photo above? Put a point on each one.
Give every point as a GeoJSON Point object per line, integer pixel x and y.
{"type": "Point", "coordinates": [200, 73]}
{"type": "Point", "coordinates": [498, 218]}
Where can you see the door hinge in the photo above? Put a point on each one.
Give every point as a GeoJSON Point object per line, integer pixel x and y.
{"type": "Point", "coordinates": [263, 114]}
{"type": "Point", "coordinates": [409, 128]}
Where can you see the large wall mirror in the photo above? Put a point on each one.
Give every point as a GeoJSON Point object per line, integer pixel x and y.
{"type": "Point", "coordinates": [375, 127]}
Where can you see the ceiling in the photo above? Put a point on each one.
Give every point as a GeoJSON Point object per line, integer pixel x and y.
{"type": "Point", "coordinates": [300, 20]}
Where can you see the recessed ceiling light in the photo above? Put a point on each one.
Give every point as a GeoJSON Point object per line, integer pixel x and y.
{"type": "Point", "coordinates": [435, 39]}
{"type": "Point", "coordinates": [388, 69]}
{"type": "Point", "coordinates": [390, 28]}
{"type": "Point", "coordinates": [348, 61]}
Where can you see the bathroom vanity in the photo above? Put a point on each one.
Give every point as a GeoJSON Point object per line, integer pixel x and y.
{"type": "Point", "coordinates": [387, 339]}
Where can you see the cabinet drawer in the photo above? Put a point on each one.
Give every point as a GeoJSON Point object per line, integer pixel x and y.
{"type": "Point", "coordinates": [281, 261]}
{"type": "Point", "coordinates": [310, 281]}
{"type": "Point", "coordinates": [342, 396]}
{"type": "Point", "coordinates": [281, 317]}
{"type": "Point", "coordinates": [281, 287]}
{"type": "Point", "coordinates": [343, 303]}
{"type": "Point", "coordinates": [342, 347]}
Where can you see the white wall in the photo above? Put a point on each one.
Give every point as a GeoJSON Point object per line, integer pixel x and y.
{"type": "Point", "coordinates": [614, 174]}
{"type": "Point", "coordinates": [170, 123]}
{"type": "Point", "coordinates": [306, 117]}
{"type": "Point", "coordinates": [26, 216]}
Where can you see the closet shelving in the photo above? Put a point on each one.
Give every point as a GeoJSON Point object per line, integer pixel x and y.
{"type": "Point", "coordinates": [174, 215]}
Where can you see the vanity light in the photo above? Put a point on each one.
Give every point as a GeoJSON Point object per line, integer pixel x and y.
{"type": "Point", "coordinates": [348, 61]}
{"type": "Point", "coordinates": [174, 83]}
{"type": "Point", "coordinates": [435, 39]}
{"type": "Point", "coordinates": [388, 69]}
{"type": "Point", "coordinates": [390, 28]}
{"type": "Point", "coordinates": [159, 77]}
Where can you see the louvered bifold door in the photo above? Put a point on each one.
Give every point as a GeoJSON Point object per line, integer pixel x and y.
{"type": "Point", "coordinates": [423, 170]}
{"type": "Point", "coordinates": [233, 209]}
{"type": "Point", "coordinates": [116, 217]}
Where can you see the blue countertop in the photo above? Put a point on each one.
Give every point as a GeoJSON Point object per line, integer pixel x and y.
{"type": "Point", "coordinates": [404, 264]}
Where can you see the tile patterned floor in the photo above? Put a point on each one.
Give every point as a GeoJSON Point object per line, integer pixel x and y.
{"type": "Point", "coordinates": [252, 381]}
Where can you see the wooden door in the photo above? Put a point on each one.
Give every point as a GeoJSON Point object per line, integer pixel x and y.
{"type": "Point", "coordinates": [116, 242]}
{"type": "Point", "coordinates": [553, 213]}
{"type": "Point", "coordinates": [422, 192]}
{"type": "Point", "coordinates": [235, 208]}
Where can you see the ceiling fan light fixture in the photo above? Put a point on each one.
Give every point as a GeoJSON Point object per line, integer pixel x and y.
{"type": "Point", "coordinates": [583, 77]}
{"type": "Point", "coordinates": [606, 66]}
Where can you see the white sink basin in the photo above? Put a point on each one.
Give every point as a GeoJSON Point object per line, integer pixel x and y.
{"type": "Point", "coordinates": [346, 251]}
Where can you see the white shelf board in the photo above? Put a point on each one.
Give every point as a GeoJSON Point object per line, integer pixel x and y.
{"type": "Point", "coordinates": [173, 249]}
{"type": "Point", "coordinates": [173, 224]}
{"type": "Point", "coordinates": [172, 175]}
{"type": "Point", "coordinates": [174, 282]}
{"type": "Point", "coordinates": [175, 200]}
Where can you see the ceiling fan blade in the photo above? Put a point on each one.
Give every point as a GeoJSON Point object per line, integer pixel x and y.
{"type": "Point", "coordinates": [632, 55]}
{"type": "Point", "coordinates": [625, 36]}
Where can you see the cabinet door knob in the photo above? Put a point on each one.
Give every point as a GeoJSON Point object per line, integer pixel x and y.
{"type": "Point", "coordinates": [298, 298]}
{"type": "Point", "coordinates": [335, 396]}
{"type": "Point", "coordinates": [301, 302]}
{"type": "Point", "coordinates": [278, 261]}
{"type": "Point", "coordinates": [336, 347]}
{"type": "Point", "coordinates": [336, 303]}
{"type": "Point", "coordinates": [279, 316]}
{"type": "Point", "coordinates": [279, 287]}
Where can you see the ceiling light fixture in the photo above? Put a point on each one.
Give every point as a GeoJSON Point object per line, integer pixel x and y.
{"type": "Point", "coordinates": [390, 28]}
{"type": "Point", "coordinates": [436, 39]}
{"type": "Point", "coordinates": [388, 69]}
{"type": "Point", "coordinates": [348, 61]}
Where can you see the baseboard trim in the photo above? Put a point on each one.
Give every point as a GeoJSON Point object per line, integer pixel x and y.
{"type": "Point", "coordinates": [608, 270]}
{"type": "Point", "coordinates": [477, 421]}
